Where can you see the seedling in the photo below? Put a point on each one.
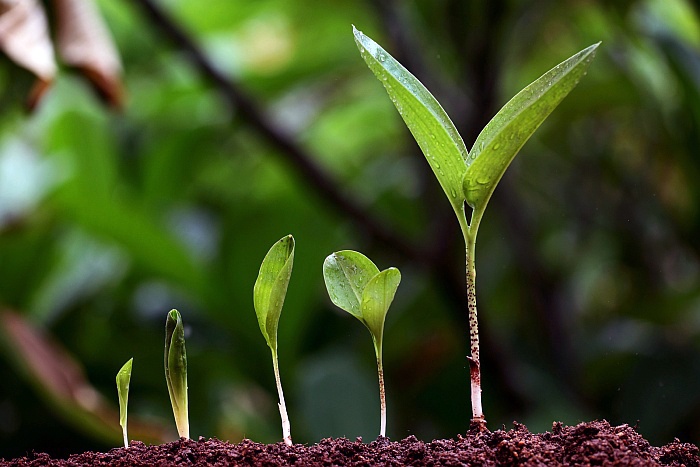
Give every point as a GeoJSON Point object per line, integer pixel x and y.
{"type": "Point", "coordinates": [176, 371]}
{"type": "Point", "coordinates": [471, 176]}
{"type": "Point", "coordinates": [268, 298]}
{"type": "Point", "coordinates": [123, 379]}
{"type": "Point", "coordinates": [355, 284]}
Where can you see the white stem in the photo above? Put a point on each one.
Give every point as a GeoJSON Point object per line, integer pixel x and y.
{"type": "Point", "coordinates": [382, 398]}
{"type": "Point", "coordinates": [126, 439]}
{"type": "Point", "coordinates": [183, 424]}
{"type": "Point", "coordinates": [286, 427]}
{"type": "Point", "coordinates": [477, 410]}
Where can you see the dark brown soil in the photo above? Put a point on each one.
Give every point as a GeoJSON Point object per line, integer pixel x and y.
{"type": "Point", "coordinates": [594, 443]}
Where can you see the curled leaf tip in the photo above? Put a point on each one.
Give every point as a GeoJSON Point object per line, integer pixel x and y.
{"type": "Point", "coordinates": [176, 370]}
{"type": "Point", "coordinates": [271, 285]}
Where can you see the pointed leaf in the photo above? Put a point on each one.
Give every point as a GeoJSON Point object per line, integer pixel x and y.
{"type": "Point", "coordinates": [271, 288]}
{"type": "Point", "coordinates": [376, 299]}
{"type": "Point", "coordinates": [123, 380]}
{"type": "Point", "coordinates": [431, 127]}
{"type": "Point", "coordinates": [346, 274]}
{"type": "Point", "coordinates": [176, 370]}
{"type": "Point", "coordinates": [507, 132]}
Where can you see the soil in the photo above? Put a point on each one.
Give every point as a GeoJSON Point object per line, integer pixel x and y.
{"type": "Point", "coordinates": [594, 443]}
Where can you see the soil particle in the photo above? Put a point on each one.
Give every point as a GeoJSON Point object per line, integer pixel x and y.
{"type": "Point", "coordinates": [594, 443]}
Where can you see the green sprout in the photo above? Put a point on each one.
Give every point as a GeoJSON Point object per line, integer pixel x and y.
{"type": "Point", "coordinates": [176, 371]}
{"type": "Point", "coordinates": [355, 285]}
{"type": "Point", "coordinates": [268, 298]}
{"type": "Point", "coordinates": [123, 379]}
{"type": "Point", "coordinates": [471, 176]}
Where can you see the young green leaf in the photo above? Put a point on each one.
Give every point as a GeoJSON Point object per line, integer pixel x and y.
{"type": "Point", "coordinates": [346, 274]}
{"type": "Point", "coordinates": [269, 292]}
{"type": "Point", "coordinates": [123, 380]}
{"type": "Point", "coordinates": [473, 177]}
{"type": "Point", "coordinates": [270, 288]}
{"type": "Point", "coordinates": [376, 299]}
{"type": "Point", "coordinates": [176, 371]}
{"type": "Point", "coordinates": [501, 139]}
{"type": "Point", "coordinates": [355, 285]}
{"type": "Point", "coordinates": [433, 130]}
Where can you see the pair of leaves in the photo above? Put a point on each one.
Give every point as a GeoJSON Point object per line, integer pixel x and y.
{"type": "Point", "coordinates": [270, 288]}
{"type": "Point", "coordinates": [355, 285]}
{"type": "Point", "coordinates": [471, 176]}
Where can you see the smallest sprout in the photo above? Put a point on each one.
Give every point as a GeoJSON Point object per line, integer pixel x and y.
{"type": "Point", "coordinates": [123, 380]}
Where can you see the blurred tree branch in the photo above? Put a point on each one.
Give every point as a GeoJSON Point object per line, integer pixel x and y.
{"type": "Point", "coordinates": [299, 158]}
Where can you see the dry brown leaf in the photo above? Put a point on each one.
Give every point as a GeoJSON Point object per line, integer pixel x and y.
{"type": "Point", "coordinates": [61, 380]}
{"type": "Point", "coordinates": [84, 42]}
{"type": "Point", "coordinates": [24, 37]}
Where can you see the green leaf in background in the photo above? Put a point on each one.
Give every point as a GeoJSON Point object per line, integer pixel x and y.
{"type": "Point", "coordinates": [270, 288]}
{"type": "Point", "coordinates": [431, 127]}
{"type": "Point", "coordinates": [176, 371]}
{"type": "Point", "coordinates": [123, 380]}
{"type": "Point", "coordinates": [269, 292]}
{"type": "Point", "coordinates": [355, 285]}
{"type": "Point", "coordinates": [135, 230]}
{"type": "Point", "coordinates": [507, 132]}
{"type": "Point", "coordinates": [346, 274]}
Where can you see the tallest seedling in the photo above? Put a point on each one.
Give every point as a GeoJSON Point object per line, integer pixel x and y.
{"type": "Point", "coordinates": [471, 176]}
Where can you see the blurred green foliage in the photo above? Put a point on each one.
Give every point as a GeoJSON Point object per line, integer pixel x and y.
{"type": "Point", "coordinates": [588, 262]}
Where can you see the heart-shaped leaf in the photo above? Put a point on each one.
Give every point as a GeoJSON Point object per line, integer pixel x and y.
{"type": "Point", "coordinates": [376, 299]}
{"type": "Point", "coordinates": [346, 274]}
{"type": "Point", "coordinates": [355, 284]}
{"type": "Point", "coordinates": [271, 288]}
{"type": "Point", "coordinates": [433, 130]}
{"type": "Point", "coordinates": [507, 132]}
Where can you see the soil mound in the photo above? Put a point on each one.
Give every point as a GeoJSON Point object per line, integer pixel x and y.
{"type": "Point", "coordinates": [593, 443]}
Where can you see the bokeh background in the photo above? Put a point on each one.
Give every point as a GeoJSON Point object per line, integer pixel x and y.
{"type": "Point", "coordinates": [246, 121]}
